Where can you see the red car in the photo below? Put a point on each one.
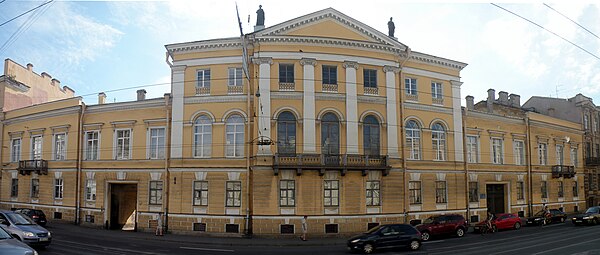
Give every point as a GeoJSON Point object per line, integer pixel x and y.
{"type": "Point", "coordinates": [502, 221]}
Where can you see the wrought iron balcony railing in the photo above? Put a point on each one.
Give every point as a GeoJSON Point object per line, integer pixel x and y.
{"type": "Point", "coordinates": [563, 171]}
{"type": "Point", "coordinates": [592, 161]}
{"type": "Point", "coordinates": [38, 166]}
{"type": "Point", "coordinates": [322, 162]}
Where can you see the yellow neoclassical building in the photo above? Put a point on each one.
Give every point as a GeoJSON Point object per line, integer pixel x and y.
{"type": "Point", "coordinates": [336, 121]}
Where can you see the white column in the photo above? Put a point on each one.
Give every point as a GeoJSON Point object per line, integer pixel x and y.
{"type": "Point", "coordinates": [177, 88]}
{"type": "Point", "coordinates": [308, 123]}
{"type": "Point", "coordinates": [264, 101]}
{"type": "Point", "coordinates": [457, 119]}
{"type": "Point", "coordinates": [351, 108]}
{"type": "Point", "coordinates": [391, 109]}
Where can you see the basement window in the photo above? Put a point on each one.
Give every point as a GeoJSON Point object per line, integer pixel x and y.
{"type": "Point", "coordinates": [286, 229]}
{"type": "Point", "coordinates": [58, 215]}
{"type": "Point", "coordinates": [232, 228]}
{"type": "Point", "coordinates": [331, 228]}
{"type": "Point", "coordinates": [199, 227]}
{"type": "Point", "coordinates": [371, 225]}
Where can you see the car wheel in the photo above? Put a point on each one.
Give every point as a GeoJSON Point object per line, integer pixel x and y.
{"type": "Point", "coordinates": [562, 219]}
{"type": "Point", "coordinates": [368, 248]}
{"type": "Point", "coordinates": [494, 229]}
{"type": "Point", "coordinates": [415, 245]}
{"type": "Point", "coordinates": [425, 236]}
{"type": "Point", "coordinates": [517, 225]}
{"type": "Point", "coordinates": [594, 221]}
{"type": "Point", "coordinates": [460, 232]}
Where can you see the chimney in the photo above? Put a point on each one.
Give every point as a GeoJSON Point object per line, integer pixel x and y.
{"type": "Point", "coordinates": [551, 112]}
{"type": "Point", "coordinates": [503, 97]}
{"type": "Point", "coordinates": [490, 100]}
{"type": "Point", "coordinates": [515, 100]}
{"type": "Point", "coordinates": [101, 98]}
{"type": "Point", "coordinates": [30, 67]}
{"type": "Point", "coordinates": [141, 94]}
{"type": "Point", "coordinates": [470, 103]}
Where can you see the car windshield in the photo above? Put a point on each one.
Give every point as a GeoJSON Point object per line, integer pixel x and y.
{"type": "Point", "coordinates": [592, 210]}
{"type": "Point", "coordinates": [430, 220]}
{"type": "Point", "coordinates": [19, 219]}
{"type": "Point", "coordinates": [4, 234]}
{"type": "Point", "coordinates": [374, 229]}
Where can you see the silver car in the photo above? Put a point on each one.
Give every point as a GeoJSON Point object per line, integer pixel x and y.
{"type": "Point", "coordinates": [25, 229]}
{"type": "Point", "coordinates": [11, 246]}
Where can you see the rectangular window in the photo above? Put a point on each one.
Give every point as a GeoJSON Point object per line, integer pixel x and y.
{"type": "Point", "coordinates": [575, 189]}
{"type": "Point", "coordinates": [200, 193]}
{"type": "Point", "coordinates": [58, 188]}
{"type": "Point", "coordinates": [90, 190]}
{"type": "Point", "coordinates": [235, 76]}
{"type": "Point", "coordinates": [287, 193]}
{"type": "Point", "coordinates": [436, 90]}
{"type": "Point", "coordinates": [472, 149]}
{"type": "Point", "coordinates": [234, 194]}
{"type": "Point", "coordinates": [329, 74]}
{"type": "Point", "coordinates": [543, 153]}
{"type": "Point", "coordinates": [35, 188]}
{"type": "Point", "coordinates": [15, 153]}
{"type": "Point", "coordinates": [560, 160]}
{"type": "Point", "coordinates": [440, 192]}
{"type": "Point", "coordinates": [544, 189]}
{"type": "Point", "coordinates": [92, 139]}
{"type": "Point", "coordinates": [36, 147]}
{"type": "Point", "coordinates": [331, 193]}
{"type": "Point", "coordinates": [286, 73]}
{"type": "Point", "coordinates": [203, 79]}
{"type": "Point", "coordinates": [157, 143]}
{"type": "Point", "coordinates": [14, 187]}
{"type": "Point", "coordinates": [156, 189]}
{"type": "Point", "coordinates": [519, 152]}
{"type": "Point", "coordinates": [370, 78]}
{"type": "Point", "coordinates": [123, 140]}
{"type": "Point", "coordinates": [497, 151]}
{"type": "Point", "coordinates": [410, 85]}
{"type": "Point", "coordinates": [574, 157]}
{"type": "Point", "coordinates": [414, 189]}
{"type": "Point", "coordinates": [561, 189]}
{"type": "Point", "coordinates": [520, 190]}
{"type": "Point", "coordinates": [473, 192]}
{"type": "Point", "coordinates": [373, 193]}
{"type": "Point", "coordinates": [586, 122]}
{"type": "Point", "coordinates": [60, 146]}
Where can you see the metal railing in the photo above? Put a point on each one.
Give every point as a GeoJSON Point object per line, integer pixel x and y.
{"type": "Point", "coordinates": [563, 171]}
{"type": "Point", "coordinates": [39, 166]}
{"type": "Point", "coordinates": [592, 161]}
{"type": "Point", "coordinates": [287, 86]}
{"type": "Point", "coordinates": [330, 161]}
{"type": "Point", "coordinates": [231, 90]}
{"type": "Point", "coordinates": [202, 90]}
{"type": "Point", "coordinates": [371, 91]}
{"type": "Point", "coordinates": [330, 87]}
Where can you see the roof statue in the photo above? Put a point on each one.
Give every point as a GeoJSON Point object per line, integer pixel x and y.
{"type": "Point", "coordinates": [260, 16]}
{"type": "Point", "coordinates": [391, 28]}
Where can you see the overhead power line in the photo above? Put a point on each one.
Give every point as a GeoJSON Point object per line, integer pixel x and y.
{"type": "Point", "coordinates": [39, 6]}
{"type": "Point", "coordinates": [572, 21]}
{"type": "Point", "coordinates": [540, 26]}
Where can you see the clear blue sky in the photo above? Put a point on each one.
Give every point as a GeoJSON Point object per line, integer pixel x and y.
{"type": "Point", "coordinates": [94, 46]}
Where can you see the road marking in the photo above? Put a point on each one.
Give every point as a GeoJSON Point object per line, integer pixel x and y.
{"type": "Point", "coordinates": [436, 241]}
{"type": "Point", "coordinates": [534, 245]}
{"type": "Point", "coordinates": [204, 249]}
{"type": "Point", "coordinates": [108, 248]}
{"type": "Point", "coordinates": [559, 248]}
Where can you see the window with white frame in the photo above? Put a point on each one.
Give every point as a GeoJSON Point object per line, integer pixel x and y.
{"type": "Point", "coordinates": [200, 193]}
{"type": "Point", "coordinates": [14, 187]}
{"type": "Point", "coordinates": [473, 192]}
{"type": "Point", "coordinates": [157, 143]}
{"type": "Point", "coordinates": [472, 149]}
{"type": "Point", "coordinates": [440, 192]}
{"type": "Point", "coordinates": [92, 145]}
{"type": "Point", "coordinates": [543, 153]}
{"type": "Point", "coordinates": [156, 189]}
{"type": "Point", "coordinates": [60, 146]}
{"type": "Point", "coordinates": [203, 78]}
{"type": "Point", "coordinates": [414, 189]}
{"type": "Point", "coordinates": [410, 85]}
{"type": "Point", "coordinates": [497, 151]}
{"type": "Point", "coordinates": [235, 76]}
{"type": "Point", "coordinates": [560, 159]}
{"type": "Point", "coordinates": [586, 122]}
{"type": "Point", "coordinates": [544, 189]}
{"type": "Point", "coordinates": [331, 194]}
{"type": "Point", "coordinates": [36, 147]}
{"type": "Point", "coordinates": [287, 193]}
{"type": "Point", "coordinates": [329, 74]}
{"type": "Point", "coordinates": [123, 142]}
{"type": "Point", "coordinates": [35, 188]}
{"type": "Point", "coordinates": [15, 153]}
{"type": "Point", "coordinates": [286, 73]}
{"type": "Point", "coordinates": [574, 156]}
{"type": "Point", "coordinates": [90, 189]}
{"type": "Point", "coordinates": [561, 189]}
{"type": "Point", "coordinates": [438, 139]}
{"type": "Point", "coordinates": [58, 188]}
{"type": "Point", "coordinates": [436, 90]}
{"type": "Point", "coordinates": [370, 78]}
{"type": "Point", "coordinates": [233, 194]}
{"type": "Point", "coordinates": [373, 193]}
{"type": "Point", "coordinates": [413, 139]}
{"type": "Point", "coordinates": [520, 190]}
{"type": "Point", "coordinates": [519, 152]}
{"type": "Point", "coordinates": [234, 131]}
{"type": "Point", "coordinates": [202, 136]}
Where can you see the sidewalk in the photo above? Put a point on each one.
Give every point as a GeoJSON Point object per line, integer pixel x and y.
{"type": "Point", "coordinates": [293, 240]}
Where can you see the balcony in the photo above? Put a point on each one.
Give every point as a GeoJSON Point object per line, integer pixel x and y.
{"type": "Point", "coordinates": [38, 166]}
{"type": "Point", "coordinates": [331, 88]}
{"type": "Point", "coordinates": [235, 90]}
{"type": "Point", "coordinates": [321, 162]}
{"type": "Point", "coordinates": [563, 171]}
{"type": "Point", "coordinates": [287, 86]}
{"type": "Point", "coordinates": [202, 91]}
{"type": "Point", "coordinates": [592, 161]}
{"type": "Point", "coordinates": [371, 91]}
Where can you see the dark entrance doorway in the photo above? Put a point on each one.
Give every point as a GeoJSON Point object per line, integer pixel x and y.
{"type": "Point", "coordinates": [495, 198]}
{"type": "Point", "coordinates": [123, 201]}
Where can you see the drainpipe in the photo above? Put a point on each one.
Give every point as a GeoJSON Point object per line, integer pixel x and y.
{"type": "Point", "coordinates": [79, 159]}
{"type": "Point", "coordinates": [529, 169]}
{"type": "Point", "coordinates": [403, 153]}
{"type": "Point", "coordinates": [2, 139]}
{"type": "Point", "coordinates": [167, 150]}
{"type": "Point", "coordinates": [466, 164]}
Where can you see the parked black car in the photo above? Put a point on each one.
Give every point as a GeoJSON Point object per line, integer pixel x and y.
{"type": "Point", "coordinates": [36, 215]}
{"type": "Point", "coordinates": [555, 216]}
{"type": "Point", "coordinates": [591, 216]}
{"type": "Point", "coordinates": [386, 236]}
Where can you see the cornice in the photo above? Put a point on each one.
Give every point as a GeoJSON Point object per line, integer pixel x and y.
{"type": "Point", "coordinates": [328, 42]}
{"type": "Point", "coordinates": [371, 99]}
{"type": "Point", "coordinates": [330, 96]}
{"type": "Point", "coordinates": [216, 44]}
{"type": "Point", "coordinates": [135, 105]}
{"type": "Point", "coordinates": [287, 95]}
{"type": "Point", "coordinates": [495, 117]}
{"type": "Point", "coordinates": [433, 60]}
{"type": "Point", "coordinates": [534, 123]}
{"type": "Point", "coordinates": [42, 115]}
{"type": "Point", "coordinates": [214, 99]}
{"type": "Point", "coordinates": [429, 108]}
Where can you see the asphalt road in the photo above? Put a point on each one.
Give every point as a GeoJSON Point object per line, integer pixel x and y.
{"type": "Point", "coordinates": [553, 239]}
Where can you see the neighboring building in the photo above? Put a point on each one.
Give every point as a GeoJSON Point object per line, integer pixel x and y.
{"type": "Point", "coordinates": [582, 110]}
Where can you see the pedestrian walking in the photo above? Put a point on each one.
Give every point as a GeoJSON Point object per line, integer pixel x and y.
{"type": "Point", "coordinates": [159, 225]}
{"type": "Point", "coordinates": [304, 228]}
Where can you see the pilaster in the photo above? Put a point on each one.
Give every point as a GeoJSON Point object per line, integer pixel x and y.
{"type": "Point", "coordinates": [351, 108]}
{"type": "Point", "coordinates": [177, 88]}
{"type": "Point", "coordinates": [391, 109]}
{"type": "Point", "coordinates": [308, 122]}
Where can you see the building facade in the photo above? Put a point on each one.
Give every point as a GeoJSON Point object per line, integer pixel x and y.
{"type": "Point", "coordinates": [335, 121]}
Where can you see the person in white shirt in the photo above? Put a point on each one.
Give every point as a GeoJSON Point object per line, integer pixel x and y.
{"type": "Point", "coordinates": [304, 228]}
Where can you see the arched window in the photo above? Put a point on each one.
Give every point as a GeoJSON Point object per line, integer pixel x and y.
{"type": "Point", "coordinates": [286, 133]}
{"type": "Point", "coordinates": [438, 139]}
{"type": "Point", "coordinates": [413, 139]}
{"type": "Point", "coordinates": [371, 136]}
{"type": "Point", "coordinates": [330, 134]}
{"type": "Point", "coordinates": [234, 132]}
{"type": "Point", "coordinates": [202, 136]}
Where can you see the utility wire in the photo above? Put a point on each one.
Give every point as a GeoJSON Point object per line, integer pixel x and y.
{"type": "Point", "coordinates": [572, 21]}
{"type": "Point", "coordinates": [25, 12]}
{"type": "Point", "coordinates": [540, 26]}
